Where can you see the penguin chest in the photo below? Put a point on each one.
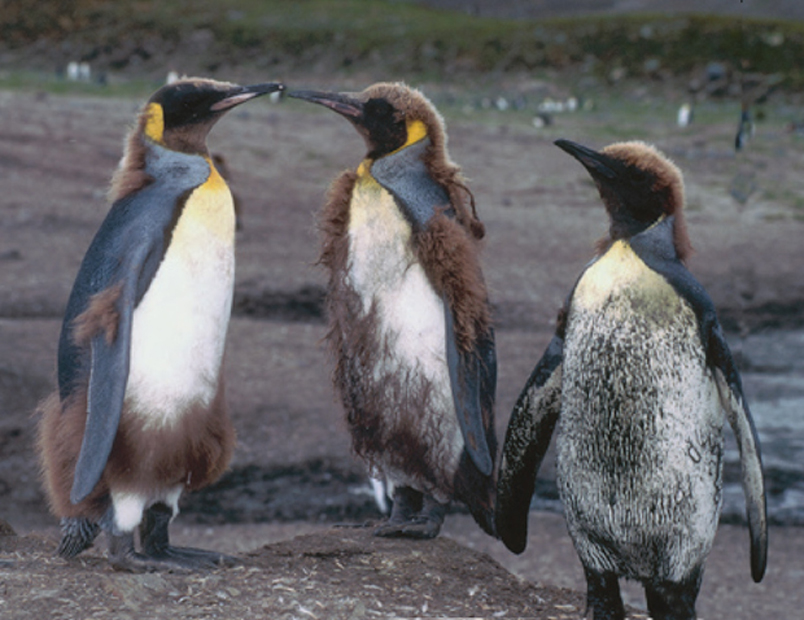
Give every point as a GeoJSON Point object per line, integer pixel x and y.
{"type": "Point", "coordinates": [180, 324]}
{"type": "Point", "coordinates": [640, 442]}
{"type": "Point", "coordinates": [388, 278]}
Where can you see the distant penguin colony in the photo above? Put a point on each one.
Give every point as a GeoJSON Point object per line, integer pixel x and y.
{"type": "Point", "coordinates": [635, 379]}
{"type": "Point", "coordinates": [409, 316]}
{"type": "Point", "coordinates": [139, 416]}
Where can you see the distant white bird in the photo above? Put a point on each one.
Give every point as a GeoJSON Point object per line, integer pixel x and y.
{"type": "Point", "coordinates": [684, 116]}
{"type": "Point", "coordinates": [72, 71]}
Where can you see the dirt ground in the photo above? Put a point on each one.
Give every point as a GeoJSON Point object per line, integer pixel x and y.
{"type": "Point", "coordinates": [292, 472]}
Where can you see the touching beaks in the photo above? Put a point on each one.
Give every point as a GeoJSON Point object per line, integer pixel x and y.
{"type": "Point", "coordinates": [244, 93]}
{"type": "Point", "coordinates": [343, 104]}
{"type": "Point", "coordinates": [598, 164]}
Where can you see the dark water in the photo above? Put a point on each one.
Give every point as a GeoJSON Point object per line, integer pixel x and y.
{"type": "Point", "coordinates": [773, 381]}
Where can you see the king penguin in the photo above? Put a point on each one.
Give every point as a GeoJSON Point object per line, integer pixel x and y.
{"type": "Point", "coordinates": [637, 377]}
{"type": "Point", "coordinates": [139, 415]}
{"type": "Point", "coordinates": [409, 319]}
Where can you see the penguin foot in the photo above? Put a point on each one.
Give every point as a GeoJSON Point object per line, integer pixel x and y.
{"type": "Point", "coordinates": [356, 526]}
{"type": "Point", "coordinates": [123, 557]}
{"type": "Point", "coordinates": [157, 552]}
{"type": "Point", "coordinates": [414, 515]}
{"type": "Point", "coordinates": [422, 528]}
{"type": "Point", "coordinates": [192, 559]}
{"type": "Point", "coordinates": [603, 595]}
{"type": "Point", "coordinates": [674, 600]}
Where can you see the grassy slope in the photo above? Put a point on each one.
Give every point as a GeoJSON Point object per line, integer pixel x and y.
{"type": "Point", "coordinates": [407, 39]}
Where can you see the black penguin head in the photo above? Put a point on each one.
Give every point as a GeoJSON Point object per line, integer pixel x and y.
{"type": "Point", "coordinates": [388, 116]}
{"type": "Point", "coordinates": [638, 185]}
{"type": "Point", "coordinates": [181, 114]}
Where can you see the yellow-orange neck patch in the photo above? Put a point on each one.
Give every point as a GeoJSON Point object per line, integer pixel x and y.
{"type": "Point", "coordinates": [155, 122]}
{"type": "Point", "coordinates": [214, 180]}
{"type": "Point", "coordinates": [417, 130]}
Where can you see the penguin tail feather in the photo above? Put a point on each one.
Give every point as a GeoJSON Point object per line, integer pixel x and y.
{"type": "Point", "coordinates": [77, 534]}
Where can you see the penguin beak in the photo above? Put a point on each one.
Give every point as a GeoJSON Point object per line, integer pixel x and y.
{"type": "Point", "coordinates": [600, 166]}
{"type": "Point", "coordinates": [344, 105]}
{"type": "Point", "coordinates": [241, 94]}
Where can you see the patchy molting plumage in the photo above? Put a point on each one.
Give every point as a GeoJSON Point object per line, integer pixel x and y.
{"type": "Point", "coordinates": [407, 371]}
{"type": "Point", "coordinates": [641, 429]}
{"type": "Point", "coordinates": [399, 409]}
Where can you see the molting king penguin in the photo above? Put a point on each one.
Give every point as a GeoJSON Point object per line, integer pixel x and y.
{"type": "Point", "coordinates": [409, 316]}
{"type": "Point", "coordinates": [139, 415]}
{"type": "Point", "coordinates": [637, 377]}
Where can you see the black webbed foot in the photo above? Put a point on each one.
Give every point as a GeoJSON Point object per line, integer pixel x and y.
{"type": "Point", "coordinates": [157, 553]}
{"type": "Point", "coordinates": [414, 515]}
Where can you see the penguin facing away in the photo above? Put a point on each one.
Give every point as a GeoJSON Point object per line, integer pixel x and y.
{"type": "Point", "coordinates": [410, 329]}
{"type": "Point", "coordinates": [636, 376]}
{"type": "Point", "coordinates": [139, 415]}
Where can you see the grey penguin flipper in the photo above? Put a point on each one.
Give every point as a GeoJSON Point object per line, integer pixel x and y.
{"type": "Point", "coordinates": [404, 174]}
{"type": "Point", "coordinates": [526, 441]}
{"type": "Point", "coordinates": [470, 374]}
{"type": "Point", "coordinates": [125, 253]}
{"type": "Point", "coordinates": [742, 424]}
{"type": "Point", "coordinates": [107, 388]}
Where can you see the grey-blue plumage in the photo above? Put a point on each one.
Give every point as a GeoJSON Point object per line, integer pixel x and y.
{"type": "Point", "coordinates": [636, 379]}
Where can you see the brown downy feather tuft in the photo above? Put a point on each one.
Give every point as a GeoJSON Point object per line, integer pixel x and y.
{"type": "Point", "coordinates": [333, 223]}
{"type": "Point", "coordinates": [101, 315]}
{"type": "Point", "coordinates": [194, 452]}
{"type": "Point", "coordinates": [130, 175]}
{"type": "Point", "coordinates": [60, 433]}
{"type": "Point", "coordinates": [668, 184]}
{"type": "Point", "coordinates": [450, 256]}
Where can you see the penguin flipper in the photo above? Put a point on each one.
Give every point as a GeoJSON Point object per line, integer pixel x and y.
{"type": "Point", "coordinates": [404, 174]}
{"type": "Point", "coordinates": [526, 441]}
{"type": "Point", "coordinates": [742, 424]}
{"type": "Point", "coordinates": [108, 377]}
{"type": "Point", "coordinates": [473, 378]}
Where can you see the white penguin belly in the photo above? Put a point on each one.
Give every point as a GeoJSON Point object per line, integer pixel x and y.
{"type": "Point", "coordinates": [179, 327]}
{"type": "Point", "coordinates": [640, 439]}
{"type": "Point", "coordinates": [386, 275]}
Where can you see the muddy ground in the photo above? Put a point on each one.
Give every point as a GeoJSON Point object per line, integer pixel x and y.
{"type": "Point", "coordinates": [292, 472]}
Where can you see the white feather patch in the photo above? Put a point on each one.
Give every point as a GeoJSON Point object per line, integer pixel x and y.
{"type": "Point", "coordinates": [179, 327]}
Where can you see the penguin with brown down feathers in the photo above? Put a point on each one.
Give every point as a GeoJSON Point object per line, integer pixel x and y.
{"type": "Point", "coordinates": [637, 378]}
{"type": "Point", "coordinates": [139, 416]}
{"type": "Point", "coordinates": [408, 311]}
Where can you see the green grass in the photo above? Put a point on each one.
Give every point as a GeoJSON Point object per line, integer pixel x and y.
{"type": "Point", "coordinates": [410, 40]}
